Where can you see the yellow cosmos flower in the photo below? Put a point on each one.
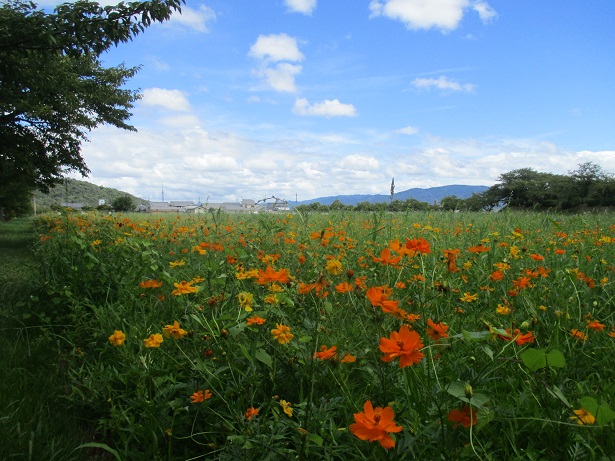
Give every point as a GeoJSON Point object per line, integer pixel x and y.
{"type": "Point", "coordinates": [117, 338]}
{"type": "Point", "coordinates": [154, 340]}
{"type": "Point", "coordinates": [271, 299]}
{"type": "Point", "coordinates": [177, 263]}
{"type": "Point", "coordinates": [174, 330]}
{"type": "Point", "coordinates": [246, 300]}
{"type": "Point", "coordinates": [582, 417]}
{"type": "Point", "coordinates": [334, 267]}
{"type": "Point", "coordinates": [282, 333]}
{"type": "Point", "coordinates": [503, 310]}
{"type": "Point", "coordinates": [183, 288]}
{"type": "Point", "coordinates": [468, 297]}
{"type": "Point", "coordinates": [287, 407]}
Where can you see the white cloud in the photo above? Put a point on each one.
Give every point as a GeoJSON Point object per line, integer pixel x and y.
{"type": "Point", "coordinates": [359, 162]}
{"type": "Point", "coordinates": [301, 6]}
{"type": "Point", "coordinates": [280, 47]}
{"type": "Point", "coordinates": [282, 76]}
{"type": "Point", "coordinates": [485, 11]}
{"type": "Point", "coordinates": [409, 130]}
{"type": "Point", "coordinates": [277, 53]}
{"type": "Point", "coordinates": [327, 108]}
{"type": "Point", "coordinates": [168, 99]}
{"type": "Point", "coordinates": [426, 14]}
{"type": "Point", "coordinates": [194, 19]}
{"type": "Point", "coordinates": [443, 83]}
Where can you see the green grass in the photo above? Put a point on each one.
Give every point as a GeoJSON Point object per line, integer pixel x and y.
{"type": "Point", "coordinates": [35, 421]}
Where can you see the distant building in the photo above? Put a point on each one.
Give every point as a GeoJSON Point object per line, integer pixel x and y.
{"type": "Point", "coordinates": [101, 202]}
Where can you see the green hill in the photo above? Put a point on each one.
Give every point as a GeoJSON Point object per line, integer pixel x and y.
{"type": "Point", "coordinates": [75, 191]}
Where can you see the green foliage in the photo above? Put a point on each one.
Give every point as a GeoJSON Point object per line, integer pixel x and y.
{"type": "Point", "coordinates": [54, 89]}
{"type": "Point", "coordinates": [519, 384]}
{"type": "Point", "coordinates": [123, 203]}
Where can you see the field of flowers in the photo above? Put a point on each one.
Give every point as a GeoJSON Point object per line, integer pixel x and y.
{"type": "Point", "coordinates": [339, 336]}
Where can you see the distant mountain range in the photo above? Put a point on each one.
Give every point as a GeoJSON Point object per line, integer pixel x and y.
{"type": "Point", "coordinates": [429, 195]}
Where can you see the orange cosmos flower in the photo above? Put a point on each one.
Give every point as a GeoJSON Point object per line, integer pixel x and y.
{"type": "Point", "coordinates": [343, 287]}
{"type": "Point", "coordinates": [385, 258]}
{"type": "Point", "coordinates": [325, 354]}
{"type": "Point", "coordinates": [150, 284]}
{"type": "Point", "coordinates": [348, 358]}
{"type": "Point", "coordinates": [375, 424]}
{"type": "Point", "coordinates": [255, 320]}
{"type": "Point", "coordinates": [270, 275]}
{"type": "Point", "coordinates": [183, 288]}
{"type": "Point", "coordinates": [404, 344]}
{"type": "Point", "coordinates": [578, 334]}
{"type": "Point", "coordinates": [282, 333]}
{"type": "Point", "coordinates": [595, 325]}
{"type": "Point", "coordinates": [436, 331]}
{"type": "Point", "coordinates": [378, 297]}
{"type": "Point", "coordinates": [478, 249]}
{"type": "Point", "coordinates": [419, 245]}
{"type": "Point", "coordinates": [251, 413]}
{"type": "Point", "coordinates": [522, 282]}
{"type": "Point", "coordinates": [517, 337]}
{"type": "Point", "coordinates": [451, 256]}
{"type": "Point", "coordinates": [465, 417]}
{"type": "Point", "coordinates": [200, 396]}
{"type": "Point", "coordinates": [174, 330]}
{"type": "Point", "coordinates": [496, 276]}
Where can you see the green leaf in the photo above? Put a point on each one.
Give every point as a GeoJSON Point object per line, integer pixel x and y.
{"type": "Point", "coordinates": [328, 307]}
{"type": "Point", "coordinates": [263, 357]}
{"type": "Point", "coordinates": [102, 446]}
{"type": "Point", "coordinates": [475, 335]}
{"type": "Point", "coordinates": [305, 339]}
{"type": "Point", "coordinates": [555, 358]}
{"type": "Point", "coordinates": [534, 359]}
{"type": "Point", "coordinates": [316, 439]}
{"type": "Point", "coordinates": [558, 394]}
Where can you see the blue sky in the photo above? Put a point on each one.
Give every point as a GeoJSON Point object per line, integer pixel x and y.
{"type": "Point", "coordinates": [309, 98]}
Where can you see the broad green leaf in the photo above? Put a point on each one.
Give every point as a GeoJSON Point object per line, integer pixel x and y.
{"type": "Point", "coordinates": [263, 357]}
{"type": "Point", "coordinates": [475, 335]}
{"type": "Point", "coordinates": [602, 412]}
{"type": "Point", "coordinates": [555, 358]}
{"type": "Point", "coordinates": [305, 339]}
{"type": "Point", "coordinates": [534, 359]}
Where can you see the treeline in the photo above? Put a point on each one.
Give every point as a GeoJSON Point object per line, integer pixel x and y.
{"type": "Point", "coordinates": [587, 187]}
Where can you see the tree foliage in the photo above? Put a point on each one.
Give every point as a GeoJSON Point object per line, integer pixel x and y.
{"type": "Point", "coordinates": [123, 203]}
{"type": "Point", "coordinates": [54, 89]}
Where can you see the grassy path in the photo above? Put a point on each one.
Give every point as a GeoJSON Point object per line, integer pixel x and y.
{"type": "Point", "coordinates": [34, 421]}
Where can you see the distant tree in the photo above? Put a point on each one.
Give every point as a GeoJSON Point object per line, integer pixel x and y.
{"type": "Point", "coordinates": [54, 89]}
{"type": "Point", "coordinates": [452, 202]}
{"type": "Point", "coordinates": [337, 205]}
{"type": "Point", "coordinates": [123, 203]}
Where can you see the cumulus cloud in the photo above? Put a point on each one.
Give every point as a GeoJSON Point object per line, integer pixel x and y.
{"type": "Point", "coordinates": [420, 14]}
{"type": "Point", "coordinates": [276, 47]}
{"type": "Point", "coordinates": [281, 77]}
{"type": "Point", "coordinates": [301, 6]}
{"type": "Point", "coordinates": [409, 130]}
{"type": "Point", "coordinates": [173, 100]}
{"type": "Point", "coordinates": [278, 54]}
{"type": "Point", "coordinates": [327, 108]}
{"type": "Point", "coordinates": [442, 83]}
{"type": "Point", "coordinates": [196, 19]}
